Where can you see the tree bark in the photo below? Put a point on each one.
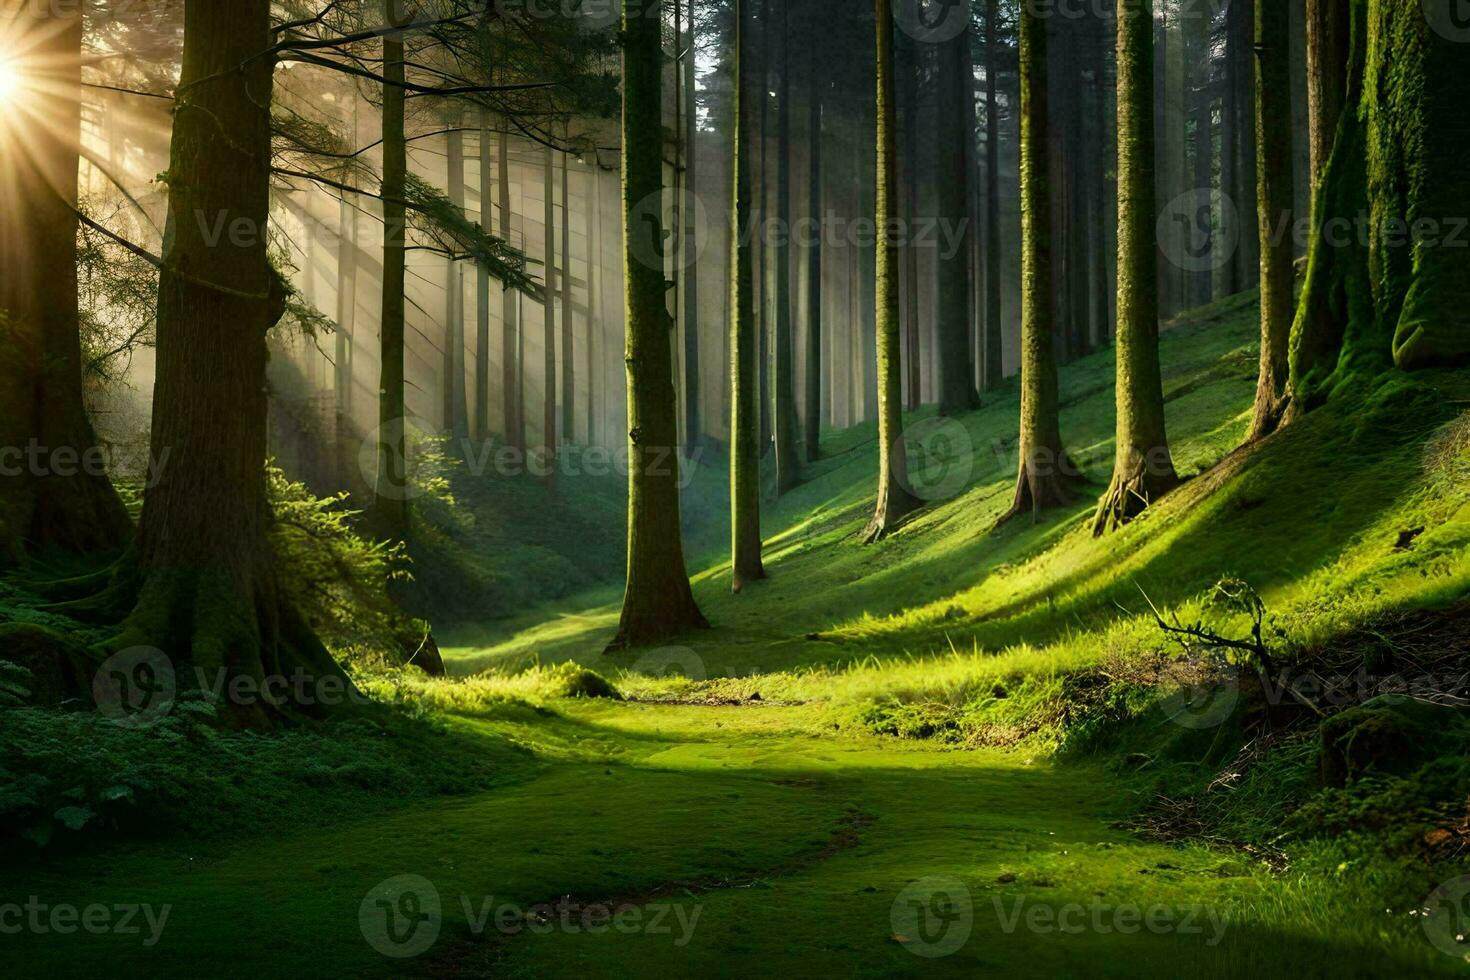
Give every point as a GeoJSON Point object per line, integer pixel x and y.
{"type": "Point", "coordinates": [952, 263]}
{"type": "Point", "coordinates": [693, 389]}
{"type": "Point", "coordinates": [482, 293]}
{"type": "Point", "coordinates": [1045, 474]}
{"type": "Point", "coordinates": [1373, 299]}
{"type": "Point", "coordinates": [994, 338]}
{"type": "Point", "coordinates": [1274, 196]}
{"type": "Point", "coordinates": [906, 67]}
{"type": "Point", "coordinates": [784, 359]}
{"type": "Point", "coordinates": [812, 417]}
{"type": "Point", "coordinates": [895, 500]}
{"type": "Point", "coordinates": [568, 352]}
{"type": "Point", "coordinates": [59, 496]}
{"type": "Point", "coordinates": [457, 415]}
{"type": "Point", "coordinates": [1143, 468]}
{"type": "Point", "coordinates": [1328, 38]}
{"type": "Point", "coordinates": [549, 419]}
{"type": "Point", "coordinates": [512, 391]}
{"type": "Point", "coordinates": [209, 598]}
{"type": "Point", "coordinates": [657, 601]}
{"type": "Point", "coordinates": [745, 486]}
{"type": "Point", "coordinates": [390, 502]}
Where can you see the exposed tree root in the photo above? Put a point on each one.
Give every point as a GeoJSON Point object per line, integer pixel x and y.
{"type": "Point", "coordinates": [247, 649]}
{"type": "Point", "coordinates": [1039, 488]}
{"type": "Point", "coordinates": [895, 505]}
{"type": "Point", "coordinates": [1130, 494]}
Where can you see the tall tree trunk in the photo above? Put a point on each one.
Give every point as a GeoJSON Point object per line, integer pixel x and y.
{"type": "Point", "coordinates": [594, 296]}
{"type": "Point", "coordinates": [482, 293]}
{"type": "Point", "coordinates": [568, 353]}
{"type": "Point", "coordinates": [1232, 225]}
{"type": "Point", "coordinates": [905, 61]}
{"type": "Point", "coordinates": [390, 503]}
{"type": "Point", "coordinates": [784, 360]}
{"type": "Point", "coordinates": [1044, 473]}
{"type": "Point", "coordinates": [1197, 21]}
{"type": "Point", "coordinates": [1328, 39]}
{"type": "Point", "coordinates": [761, 197]}
{"type": "Point", "coordinates": [60, 497]}
{"type": "Point", "coordinates": [209, 597]}
{"type": "Point", "coordinates": [693, 414]}
{"type": "Point", "coordinates": [1143, 469]}
{"type": "Point", "coordinates": [512, 390]}
{"type": "Point", "coordinates": [549, 418]}
{"type": "Point", "coordinates": [1383, 302]}
{"type": "Point", "coordinates": [1274, 197]}
{"type": "Point", "coordinates": [895, 500]}
{"type": "Point", "coordinates": [952, 261]}
{"type": "Point", "coordinates": [457, 416]}
{"type": "Point", "coordinates": [745, 478]}
{"type": "Point", "coordinates": [1240, 21]}
{"type": "Point", "coordinates": [812, 416]}
{"type": "Point", "coordinates": [994, 339]}
{"type": "Point", "coordinates": [657, 601]}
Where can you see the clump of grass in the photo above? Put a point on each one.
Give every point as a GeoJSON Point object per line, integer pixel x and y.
{"type": "Point", "coordinates": [490, 694]}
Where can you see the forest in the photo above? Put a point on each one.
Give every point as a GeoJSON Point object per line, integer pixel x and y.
{"type": "Point", "coordinates": [663, 488]}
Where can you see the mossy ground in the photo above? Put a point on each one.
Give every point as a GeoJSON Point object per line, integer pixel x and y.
{"type": "Point", "coordinates": [797, 824]}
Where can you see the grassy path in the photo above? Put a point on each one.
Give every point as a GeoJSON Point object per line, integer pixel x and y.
{"type": "Point", "coordinates": [705, 841]}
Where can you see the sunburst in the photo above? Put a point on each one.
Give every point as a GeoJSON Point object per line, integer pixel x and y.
{"type": "Point", "coordinates": [11, 79]}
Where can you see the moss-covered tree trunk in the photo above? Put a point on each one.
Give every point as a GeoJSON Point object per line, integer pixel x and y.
{"type": "Point", "coordinates": [952, 262]}
{"type": "Point", "coordinates": [994, 367]}
{"type": "Point", "coordinates": [1045, 474]}
{"type": "Point", "coordinates": [54, 491]}
{"type": "Point", "coordinates": [209, 595]}
{"type": "Point", "coordinates": [657, 601]}
{"type": "Point", "coordinates": [1274, 199]}
{"type": "Point", "coordinates": [895, 500]}
{"type": "Point", "coordinates": [390, 501]}
{"type": "Point", "coordinates": [745, 478]}
{"type": "Point", "coordinates": [1143, 469]}
{"type": "Point", "coordinates": [1328, 29]}
{"type": "Point", "coordinates": [1381, 293]}
{"type": "Point", "coordinates": [812, 415]}
{"type": "Point", "coordinates": [784, 360]}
